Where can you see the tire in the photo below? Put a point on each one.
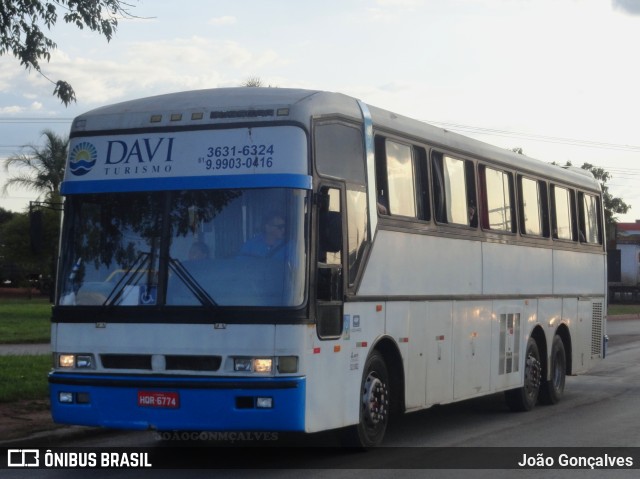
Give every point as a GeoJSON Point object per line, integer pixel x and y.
{"type": "Point", "coordinates": [551, 390]}
{"type": "Point", "coordinates": [526, 397]}
{"type": "Point", "coordinates": [374, 406]}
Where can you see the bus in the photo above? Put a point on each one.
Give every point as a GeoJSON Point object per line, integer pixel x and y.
{"type": "Point", "coordinates": [272, 259]}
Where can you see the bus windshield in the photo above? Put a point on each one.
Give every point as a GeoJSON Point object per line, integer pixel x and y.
{"type": "Point", "coordinates": [240, 247]}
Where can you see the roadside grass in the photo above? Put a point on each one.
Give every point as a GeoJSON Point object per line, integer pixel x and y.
{"type": "Point", "coordinates": [25, 320]}
{"type": "Point", "coordinates": [617, 309]}
{"type": "Point", "coordinates": [24, 377]}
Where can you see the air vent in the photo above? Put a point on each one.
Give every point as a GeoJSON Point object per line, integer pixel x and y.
{"type": "Point", "coordinates": [193, 363]}
{"type": "Point", "coordinates": [172, 362]}
{"type": "Point", "coordinates": [126, 361]}
{"type": "Point", "coordinates": [218, 115]}
{"type": "Point", "coordinates": [596, 330]}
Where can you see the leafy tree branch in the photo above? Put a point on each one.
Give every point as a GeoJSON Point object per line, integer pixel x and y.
{"type": "Point", "coordinates": [22, 23]}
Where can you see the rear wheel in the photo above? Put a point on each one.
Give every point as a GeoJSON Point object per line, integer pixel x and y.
{"type": "Point", "coordinates": [525, 398]}
{"type": "Point", "coordinates": [551, 391]}
{"type": "Point", "coordinates": [374, 405]}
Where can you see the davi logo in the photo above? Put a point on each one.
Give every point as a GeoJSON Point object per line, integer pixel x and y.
{"type": "Point", "coordinates": [82, 158]}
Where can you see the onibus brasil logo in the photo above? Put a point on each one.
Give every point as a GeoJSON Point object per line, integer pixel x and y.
{"type": "Point", "coordinates": [82, 158]}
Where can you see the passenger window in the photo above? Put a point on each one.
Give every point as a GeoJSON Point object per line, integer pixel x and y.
{"type": "Point", "coordinates": [400, 179]}
{"type": "Point", "coordinates": [497, 213]}
{"type": "Point", "coordinates": [589, 219]}
{"type": "Point", "coordinates": [454, 191]}
{"type": "Point", "coordinates": [531, 207]}
{"type": "Point", "coordinates": [562, 217]}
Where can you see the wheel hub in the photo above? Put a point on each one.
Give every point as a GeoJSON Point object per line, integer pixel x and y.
{"type": "Point", "coordinates": [375, 400]}
{"type": "Point", "coordinates": [533, 373]}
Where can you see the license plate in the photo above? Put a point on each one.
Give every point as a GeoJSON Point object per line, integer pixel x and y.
{"type": "Point", "coordinates": [158, 399]}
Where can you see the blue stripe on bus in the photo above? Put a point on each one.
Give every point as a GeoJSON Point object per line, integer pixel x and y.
{"type": "Point", "coordinates": [187, 183]}
{"type": "Point", "coordinates": [203, 404]}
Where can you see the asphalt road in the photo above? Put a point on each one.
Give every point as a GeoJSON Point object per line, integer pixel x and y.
{"type": "Point", "coordinates": [599, 410]}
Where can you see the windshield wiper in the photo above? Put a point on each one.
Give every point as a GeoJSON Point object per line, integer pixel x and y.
{"type": "Point", "coordinates": [131, 276]}
{"type": "Point", "coordinates": [198, 291]}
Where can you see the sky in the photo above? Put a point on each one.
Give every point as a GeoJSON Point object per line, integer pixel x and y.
{"type": "Point", "coordinates": [558, 78]}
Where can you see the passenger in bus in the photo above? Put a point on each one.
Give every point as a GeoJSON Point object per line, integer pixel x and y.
{"type": "Point", "coordinates": [270, 242]}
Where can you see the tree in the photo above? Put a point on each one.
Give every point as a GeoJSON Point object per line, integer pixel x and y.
{"type": "Point", "coordinates": [18, 261]}
{"type": "Point", "coordinates": [253, 82]}
{"type": "Point", "coordinates": [42, 169]}
{"type": "Point", "coordinates": [612, 205]}
{"type": "Point", "coordinates": [5, 215]}
{"type": "Point", "coordinates": [21, 33]}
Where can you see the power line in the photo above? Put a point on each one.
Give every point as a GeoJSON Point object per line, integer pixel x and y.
{"type": "Point", "coordinates": [535, 137]}
{"type": "Point", "coordinates": [22, 120]}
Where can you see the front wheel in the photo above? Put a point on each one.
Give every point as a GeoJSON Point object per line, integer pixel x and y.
{"type": "Point", "coordinates": [551, 390]}
{"type": "Point", "coordinates": [525, 398]}
{"type": "Point", "coordinates": [374, 405]}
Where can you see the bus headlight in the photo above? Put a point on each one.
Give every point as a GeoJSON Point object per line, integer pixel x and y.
{"type": "Point", "coordinates": [80, 361]}
{"type": "Point", "coordinates": [262, 365]}
{"type": "Point", "coordinates": [256, 365]}
{"type": "Point", "coordinates": [242, 364]}
{"type": "Point", "coordinates": [84, 361]}
{"type": "Point", "coordinates": [67, 360]}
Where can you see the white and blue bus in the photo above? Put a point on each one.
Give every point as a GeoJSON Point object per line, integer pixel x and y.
{"type": "Point", "coordinates": [270, 259]}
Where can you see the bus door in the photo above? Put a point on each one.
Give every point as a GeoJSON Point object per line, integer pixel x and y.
{"type": "Point", "coordinates": [330, 277]}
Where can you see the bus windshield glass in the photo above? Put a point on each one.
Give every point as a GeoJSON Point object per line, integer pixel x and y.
{"type": "Point", "coordinates": [240, 247]}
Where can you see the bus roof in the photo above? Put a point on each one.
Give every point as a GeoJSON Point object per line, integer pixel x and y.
{"type": "Point", "coordinates": [199, 108]}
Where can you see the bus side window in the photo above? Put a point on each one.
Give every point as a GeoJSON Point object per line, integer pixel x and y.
{"type": "Point", "coordinates": [589, 223]}
{"type": "Point", "coordinates": [563, 213]}
{"type": "Point", "coordinates": [497, 195]}
{"type": "Point", "coordinates": [454, 191]}
{"type": "Point", "coordinates": [531, 216]}
{"type": "Point", "coordinates": [401, 179]}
